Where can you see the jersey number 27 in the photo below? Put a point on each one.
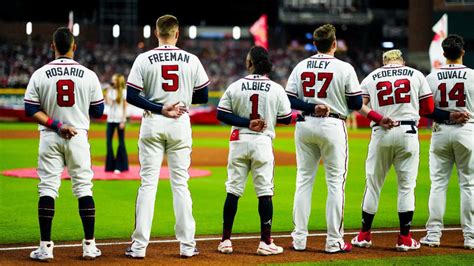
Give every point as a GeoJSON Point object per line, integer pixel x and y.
{"type": "Point", "coordinates": [309, 80]}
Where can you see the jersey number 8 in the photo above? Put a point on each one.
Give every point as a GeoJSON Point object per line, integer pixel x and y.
{"type": "Point", "coordinates": [65, 93]}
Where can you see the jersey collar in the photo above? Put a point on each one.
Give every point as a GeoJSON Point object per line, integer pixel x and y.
{"type": "Point", "coordinates": [322, 56]}
{"type": "Point", "coordinates": [393, 66]}
{"type": "Point", "coordinates": [63, 61]}
{"type": "Point", "coordinates": [255, 77]}
{"type": "Point", "coordinates": [453, 66]}
{"type": "Point", "coordinates": [167, 47]}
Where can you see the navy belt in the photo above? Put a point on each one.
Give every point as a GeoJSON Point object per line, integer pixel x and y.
{"type": "Point", "coordinates": [333, 115]}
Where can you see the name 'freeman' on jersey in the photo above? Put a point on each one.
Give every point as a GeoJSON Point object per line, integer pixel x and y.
{"type": "Point", "coordinates": [255, 86]}
{"type": "Point", "coordinates": [64, 71]}
{"type": "Point", "coordinates": [168, 57]}
{"type": "Point", "coordinates": [393, 73]}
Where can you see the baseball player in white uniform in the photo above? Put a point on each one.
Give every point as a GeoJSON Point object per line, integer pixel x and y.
{"type": "Point", "coordinates": [324, 88]}
{"type": "Point", "coordinates": [452, 142]}
{"type": "Point", "coordinates": [60, 97]}
{"type": "Point", "coordinates": [252, 105]}
{"type": "Point", "coordinates": [165, 81]}
{"type": "Point", "coordinates": [403, 94]}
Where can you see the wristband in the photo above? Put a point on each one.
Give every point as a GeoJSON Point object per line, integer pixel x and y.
{"type": "Point", "coordinates": [374, 116]}
{"type": "Point", "coordinates": [54, 124]}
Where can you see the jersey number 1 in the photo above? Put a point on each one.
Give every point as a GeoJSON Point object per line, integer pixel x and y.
{"type": "Point", "coordinates": [65, 93]}
{"type": "Point", "coordinates": [254, 100]}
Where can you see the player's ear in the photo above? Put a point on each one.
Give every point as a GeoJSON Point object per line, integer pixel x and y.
{"type": "Point", "coordinates": [334, 44]}
{"type": "Point", "coordinates": [462, 53]}
{"type": "Point", "coordinates": [74, 47]}
{"type": "Point", "coordinates": [176, 35]}
{"type": "Point", "coordinates": [156, 33]}
{"type": "Point", "coordinates": [53, 47]}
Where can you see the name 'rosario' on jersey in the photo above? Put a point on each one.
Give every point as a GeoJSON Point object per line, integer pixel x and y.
{"type": "Point", "coordinates": [64, 71]}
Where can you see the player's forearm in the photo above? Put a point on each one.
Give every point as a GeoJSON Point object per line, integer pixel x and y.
{"type": "Point", "coordinates": [427, 106]}
{"type": "Point", "coordinates": [439, 115]}
{"type": "Point", "coordinates": [298, 104]}
{"type": "Point", "coordinates": [200, 96]}
{"type": "Point", "coordinates": [134, 98]}
{"type": "Point", "coordinates": [233, 120]}
{"type": "Point", "coordinates": [370, 114]}
{"type": "Point", "coordinates": [43, 119]}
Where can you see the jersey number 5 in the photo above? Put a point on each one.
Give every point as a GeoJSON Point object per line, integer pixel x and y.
{"type": "Point", "coordinates": [65, 93]}
{"type": "Point", "coordinates": [455, 94]}
{"type": "Point", "coordinates": [400, 95]}
{"type": "Point", "coordinates": [169, 73]}
{"type": "Point", "coordinates": [309, 80]}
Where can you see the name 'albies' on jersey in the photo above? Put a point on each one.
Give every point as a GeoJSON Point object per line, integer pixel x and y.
{"type": "Point", "coordinates": [256, 96]}
{"type": "Point", "coordinates": [395, 91]}
{"type": "Point", "coordinates": [65, 90]}
{"type": "Point", "coordinates": [324, 79]}
{"type": "Point", "coordinates": [168, 75]}
{"type": "Point", "coordinates": [453, 88]}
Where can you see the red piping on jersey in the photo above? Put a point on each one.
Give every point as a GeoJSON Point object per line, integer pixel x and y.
{"type": "Point", "coordinates": [97, 102]}
{"type": "Point", "coordinates": [453, 68]}
{"type": "Point", "coordinates": [135, 86]}
{"type": "Point", "coordinates": [425, 96]}
{"type": "Point", "coordinates": [32, 102]}
{"type": "Point", "coordinates": [166, 49]}
{"type": "Point", "coordinates": [63, 64]}
{"type": "Point", "coordinates": [291, 93]}
{"type": "Point", "coordinates": [203, 85]}
{"type": "Point", "coordinates": [426, 106]}
{"type": "Point", "coordinates": [285, 116]}
{"type": "Point", "coordinates": [354, 93]}
{"type": "Point", "coordinates": [388, 67]}
{"type": "Point", "coordinates": [224, 109]}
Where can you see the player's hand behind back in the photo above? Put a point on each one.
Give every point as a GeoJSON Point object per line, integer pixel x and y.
{"type": "Point", "coordinates": [173, 110]}
{"type": "Point", "coordinates": [67, 131]}
{"type": "Point", "coordinates": [258, 125]}
{"type": "Point", "coordinates": [322, 110]}
{"type": "Point", "coordinates": [387, 123]}
{"type": "Point", "coordinates": [459, 117]}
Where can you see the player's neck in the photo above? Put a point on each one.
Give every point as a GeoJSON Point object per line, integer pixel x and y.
{"type": "Point", "coordinates": [69, 55]}
{"type": "Point", "coordinates": [162, 42]}
{"type": "Point", "coordinates": [454, 62]}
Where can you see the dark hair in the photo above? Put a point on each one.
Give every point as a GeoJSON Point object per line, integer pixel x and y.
{"type": "Point", "coordinates": [323, 37]}
{"type": "Point", "coordinates": [453, 46]}
{"type": "Point", "coordinates": [261, 60]}
{"type": "Point", "coordinates": [63, 40]}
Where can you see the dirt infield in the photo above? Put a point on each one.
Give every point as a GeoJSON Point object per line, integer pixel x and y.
{"type": "Point", "coordinates": [211, 156]}
{"type": "Point", "coordinates": [27, 134]}
{"type": "Point", "coordinates": [244, 252]}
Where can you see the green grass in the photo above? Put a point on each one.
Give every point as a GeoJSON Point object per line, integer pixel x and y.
{"type": "Point", "coordinates": [115, 199]}
{"type": "Point", "coordinates": [441, 260]}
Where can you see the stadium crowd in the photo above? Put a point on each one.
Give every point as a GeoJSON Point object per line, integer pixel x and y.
{"type": "Point", "coordinates": [223, 59]}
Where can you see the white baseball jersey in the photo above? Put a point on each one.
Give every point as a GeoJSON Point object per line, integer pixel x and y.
{"type": "Point", "coordinates": [395, 91]}
{"type": "Point", "coordinates": [115, 111]}
{"type": "Point", "coordinates": [168, 75]}
{"type": "Point", "coordinates": [324, 79]}
{"type": "Point", "coordinates": [453, 88]}
{"type": "Point", "coordinates": [256, 96]}
{"type": "Point", "coordinates": [65, 90]}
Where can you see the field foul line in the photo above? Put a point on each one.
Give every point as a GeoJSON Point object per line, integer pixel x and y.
{"type": "Point", "coordinates": [216, 238]}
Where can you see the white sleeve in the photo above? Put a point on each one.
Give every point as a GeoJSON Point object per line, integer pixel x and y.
{"type": "Point", "coordinates": [135, 78]}
{"type": "Point", "coordinates": [293, 84]}
{"type": "Point", "coordinates": [364, 87]}
{"type": "Point", "coordinates": [201, 80]}
{"type": "Point", "coordinates": [431, 83]}
{"type": "Point", "coordinates": [284, 106]}
{"type": "Point", "coordinates": [225, 103]}
{"type": "Point", "coordinates": [425, 90]}
{"type": "Point", "coordinates": [32, 94]}
{"type": "Point", "coordinates": [352, 85]}
{"type": "Point", "coordinates": [97, 96]}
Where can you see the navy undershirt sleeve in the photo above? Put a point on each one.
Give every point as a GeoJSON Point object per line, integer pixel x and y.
{"type": "Point", "coordinates": [96, 110]}
{"type": "Point", "coordinates": [201, 96]}
{"type": "Point", "coordinates": [298, 104]}
{"type": "Point", "coordinates": [354, 102]}
{"type": "Point", "coordinates": [134, 97]}
{"type": "Point", "coordinates": [233, 120]}
{"type": "Point", "coordinates": [439, 115]}
{"type": "Point", "coordinates": [285, 121]}
{"type": "Point", "coordinates": [31, 109]}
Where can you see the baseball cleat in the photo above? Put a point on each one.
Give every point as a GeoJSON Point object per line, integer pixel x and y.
{"type": "Point", "coordinates": [44, 251]}
{"type": "Point", "coordinates": [362, 240]}
{"type": "Point", "coordinates": [338, 247]}
{"type": "Point", "coordinates": [134, 254]}
{"type": "Point", "coordinates": [90, 250]}
{"type": "Point", "coordinates": [406, 243]}
{"type": "Point", "coordinates": [187, 255]}
{"type": "Point", "coordinates": [225, 247]}
{"type": "Point", "coordinates": [298, 246]}
{"type": "Point", "coordinates": [430, 241]}
{"type": "Point", "coordinates": [469, 244]}
{"type": "Point", "coordinates": [271, 249]}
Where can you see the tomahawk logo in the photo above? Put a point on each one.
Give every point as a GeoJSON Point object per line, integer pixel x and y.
{"type": "Point", "coordinates": [269, 222]}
